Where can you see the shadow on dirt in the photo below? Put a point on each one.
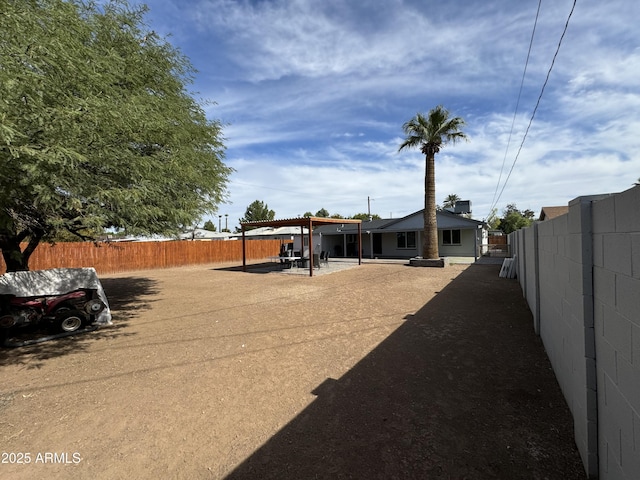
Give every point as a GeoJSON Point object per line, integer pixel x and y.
{"type": "Point", "coordinates": [126, 297]}
{"type": "Point", "coordinates": [463, 389]}
{"type": "Point", "coordinates": [263, 267]}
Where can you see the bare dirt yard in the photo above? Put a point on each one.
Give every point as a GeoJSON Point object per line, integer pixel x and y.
{"type": "Point", "coordinates": [381, 371]}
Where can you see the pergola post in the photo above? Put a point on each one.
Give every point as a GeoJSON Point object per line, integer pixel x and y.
{"type": "Point", "coordinates": [310, 247]}
{"type": "Point", "coordinates": [359, 244]}
{"type": "Point", "coordinates": [244, 252]}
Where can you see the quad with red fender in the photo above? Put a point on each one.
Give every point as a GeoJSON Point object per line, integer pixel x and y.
{"type": "Point", "coordinates": [59, 302]}
{"type": "Point", "coordinates": [60, 313]}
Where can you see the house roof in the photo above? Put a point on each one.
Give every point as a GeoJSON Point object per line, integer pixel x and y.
{"type": "Point", "coordinates": [202, 234]}
{"type": "Point", "coordinates": [299, 222]}
{"type": "Point", "coordinates": [547, 213]}
{"type": "Point", "coordinates": [414, 221]}
{"type": "Point", "coordinates": [276, 231]}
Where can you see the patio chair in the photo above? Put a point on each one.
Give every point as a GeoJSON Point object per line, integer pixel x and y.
{"type": "Point", "coordinates": [324, 257]}
{"type": "Point", "coordinates": [285, 261]}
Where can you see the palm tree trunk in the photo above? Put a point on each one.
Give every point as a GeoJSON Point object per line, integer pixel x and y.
{"type": "Point", "coordinates": [430, 240]}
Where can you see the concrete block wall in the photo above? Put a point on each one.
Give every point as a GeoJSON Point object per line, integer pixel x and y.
{"type": "Point", "coordinates": [531, 274]}
{"type": "Point", "coordinates": [616, 280]}
{"type": "Point", "coordinates": [580, 274]}
{"type": "Point", "coordinates": [565, 320]}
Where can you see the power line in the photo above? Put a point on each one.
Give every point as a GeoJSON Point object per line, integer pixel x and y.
{"type": "Point", "coordinates": [524, 73]}
{"type": "Point", "coordinates": [566, 26]}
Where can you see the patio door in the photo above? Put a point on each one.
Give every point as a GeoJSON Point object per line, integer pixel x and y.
{"type": "Point", "coordinates": [377, 244]}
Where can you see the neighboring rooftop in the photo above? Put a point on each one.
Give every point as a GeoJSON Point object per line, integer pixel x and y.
{"type": "Point", "coordinates": [548, 213]}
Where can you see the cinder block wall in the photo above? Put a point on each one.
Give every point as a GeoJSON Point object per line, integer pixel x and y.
{"type": "Point", "coordinates": [529, 277]}
{"type": "Point", "coordinates": [581, 272]}
{"type": "Point", "coordinates": [616, 278]}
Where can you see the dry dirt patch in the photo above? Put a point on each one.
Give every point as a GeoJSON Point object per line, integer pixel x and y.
{"type": "Point", "coordinates": [380, 371]}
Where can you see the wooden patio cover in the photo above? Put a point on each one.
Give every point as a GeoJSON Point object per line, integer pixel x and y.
{"type": "Point", "coordinates": [301, 222]}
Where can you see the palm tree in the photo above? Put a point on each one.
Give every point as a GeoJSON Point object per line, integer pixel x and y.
{"type": "Point", "coordinates": [430, 134]}
{"type": "Point", "coordinates": [451, 200]}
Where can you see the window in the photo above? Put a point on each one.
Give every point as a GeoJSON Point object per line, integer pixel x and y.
{"type": "Point", "coordinates": [451, 237]}
{"type": "Point", "coordinates": [406, 239]}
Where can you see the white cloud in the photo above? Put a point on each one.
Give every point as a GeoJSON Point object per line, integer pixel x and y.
{"type": "Point", "coordinates": [315, 94]}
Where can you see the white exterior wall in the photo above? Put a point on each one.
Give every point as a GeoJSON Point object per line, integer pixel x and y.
{"type": "Point", "coordinates": [390, 246]}
{"type": "Point", "coordinates": [580, 274]}
{"type": "Point", "coordinates": [465, 249]}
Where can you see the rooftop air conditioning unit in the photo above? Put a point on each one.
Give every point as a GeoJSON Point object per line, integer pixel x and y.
{"type": "Point", "coordinates": [462, 207]}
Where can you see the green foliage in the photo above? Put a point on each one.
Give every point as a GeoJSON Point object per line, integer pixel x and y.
{"type": "Point", "coordinates": [209, 225]}
{"type": "Point", "coordinates": [493, 221]}
{"type": "Point", "coordinates": [66, 236]}
{"type": "Point", "coordinates": [97, 129]}
{"type": "Point", "coordinates": [450, 201]}
{"type": "Point", "coordinates": [365, 216]}
{"type": "Point", "coordinates": [322, 213]}
{"type": "Point", "coordinates": [431, 132]}
{"type": "Point", "coordinates": [514, 219]}
{"type": "Point", "coordinates": [257, 211]}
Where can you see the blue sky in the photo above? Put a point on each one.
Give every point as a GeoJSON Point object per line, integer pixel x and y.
{"type": "Point", "coordinates": [314, 93]}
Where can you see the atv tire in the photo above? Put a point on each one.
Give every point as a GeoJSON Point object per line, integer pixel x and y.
{"type": "Point", "coordinates": [69, 321]}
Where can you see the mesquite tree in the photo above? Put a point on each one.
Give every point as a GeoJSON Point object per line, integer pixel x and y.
{"type": "Point", "coordinates": [97, 127]}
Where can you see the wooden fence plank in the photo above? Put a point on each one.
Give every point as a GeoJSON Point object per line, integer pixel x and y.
{"type": "Point", "coordinates": [114, 257]}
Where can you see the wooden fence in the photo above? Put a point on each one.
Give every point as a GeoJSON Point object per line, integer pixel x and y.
{"type": "Point", "coordinates": [113, 257]}
{"type": "Point", "coordinates": [498, 246]}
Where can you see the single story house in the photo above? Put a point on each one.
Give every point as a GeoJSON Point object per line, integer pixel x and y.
{"type": "Point", "coordinates": [202, 234]}
{"type": "Point", "coordinates": [458, 236]}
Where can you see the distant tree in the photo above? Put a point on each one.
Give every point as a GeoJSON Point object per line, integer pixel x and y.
{"type": "Point", "coordinates": [336, 215]}
{"type": "Point", "coordinates": [258, 211]}
{"type": "Point", "coordinates": [365, 216]}
{"type": "Point", "coordinates": [637, 182]}
{"type": "Point", "coordinates": [450, 201]}
{"type": "Point", "coordinates": [307, 214]}
{"type": "Point", "coordinates": [430, 133]}
{"type": "Point", "coordinates": [97, 128]}
{"type": "Point", "coordinates": [493, 221]}
{"type": "Point", "coordinates": [514, 219]}
{"type": "Point", "coordinates": [209, 225]}
{"type": "Point", "coordinates": [322, 213]}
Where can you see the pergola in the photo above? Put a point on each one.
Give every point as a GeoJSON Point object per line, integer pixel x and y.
{"type": "Point", "coordinates": [301, 222]}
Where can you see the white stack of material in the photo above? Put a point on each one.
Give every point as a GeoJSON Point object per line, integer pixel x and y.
{"type": "Point", "coordinates": [508, 269]}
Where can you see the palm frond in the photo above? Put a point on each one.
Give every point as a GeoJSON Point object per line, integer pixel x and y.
{"type": "Point", "coordinates": [433, 130]}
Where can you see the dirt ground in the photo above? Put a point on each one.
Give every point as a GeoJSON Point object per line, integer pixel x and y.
{"type": "Point", "coordinates": [381, 371]}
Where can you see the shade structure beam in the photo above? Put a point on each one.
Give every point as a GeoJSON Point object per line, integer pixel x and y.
{"type": "Point", "coordinates": [301, 222]}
